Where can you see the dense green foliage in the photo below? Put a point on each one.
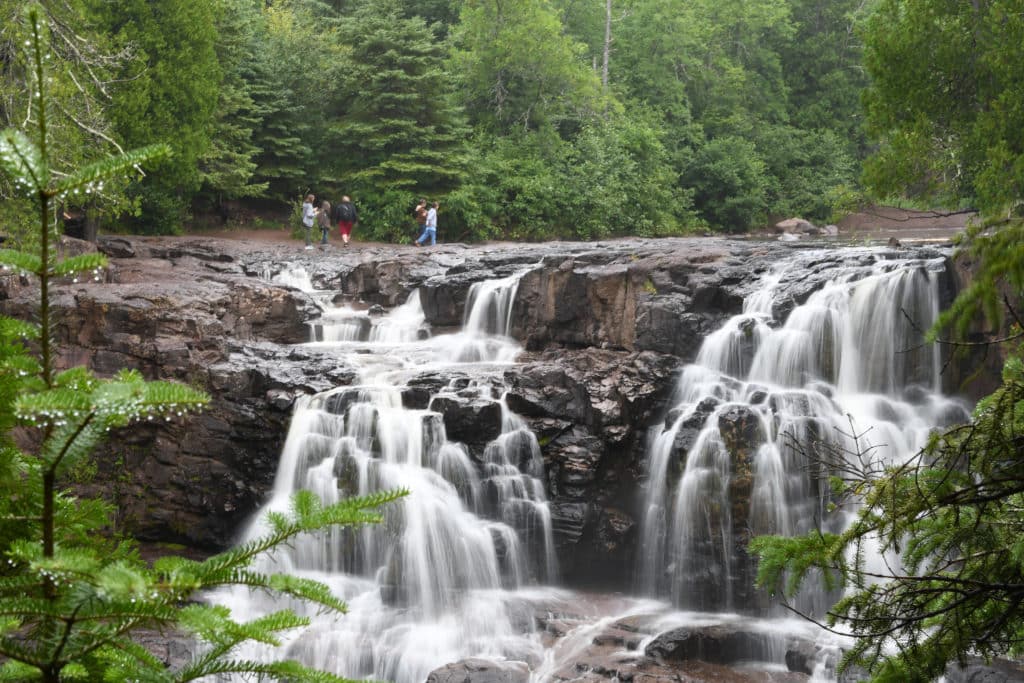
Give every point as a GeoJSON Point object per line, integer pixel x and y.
{"type": "Point", "coordinates": [945, 105]}
{"type": "Point", "coordinates": [72, 592]}
{"type": "Point", "coordinates": [945, 101]}
{"type": "Point", "coordinates": [397, 131]}
{"type": "Point", "coordinates": [715, 114]}
{"type": "Point", "coordinates": [79, 129]}
{"type": "Point", "coordinates": [169, 94]}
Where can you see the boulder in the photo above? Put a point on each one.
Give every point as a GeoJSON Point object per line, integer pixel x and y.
{"type": "Point", "coordinates": [174, 649]}
{"type": "Point", "coordinates": [797, 226]}
{"type": "Point", "coordinates": [481, 671]}
{"type": "Point", "coordinates": [473, 421]}
{"type": "Point", "coordinates": [718, 644]}
{"type": "Point", "coordinates": [686, 435]}
{"type": "Point", "coordinates": [977, 670]}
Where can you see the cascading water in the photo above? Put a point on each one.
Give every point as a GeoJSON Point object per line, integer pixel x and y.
{"type": "Point", "coordinates": [445, 576]}
{"type": "Point", "coordinates": [760, 413]}
{"type": "Point", "coordinates": [293, 277]}
{"type": "Point", "coordinates": [453, 572]}
{"type": "Point", "coordinates": [486, 322]}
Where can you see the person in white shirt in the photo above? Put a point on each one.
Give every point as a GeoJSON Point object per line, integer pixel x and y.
{"type": "Point", "coordinates": [308, 218]}
{"type": "Point", "coordinates": [430, 227]}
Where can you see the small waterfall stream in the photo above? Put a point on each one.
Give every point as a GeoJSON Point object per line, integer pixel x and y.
{"type": "Point", "coordinates": [459, 568]}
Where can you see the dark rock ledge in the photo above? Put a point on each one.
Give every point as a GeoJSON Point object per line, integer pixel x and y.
{"type": "Point", "coordinates": [605, 324]}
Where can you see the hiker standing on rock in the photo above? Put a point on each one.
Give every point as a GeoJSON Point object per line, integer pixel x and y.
{"type": "Point", "coordinates": [323, 219]}
{"type": "Point", "coordinates": [346, 215]}
{"type": "Point", "coordinates": [308, 219]}
{"type": "Point", "coordinates": [420, 214]}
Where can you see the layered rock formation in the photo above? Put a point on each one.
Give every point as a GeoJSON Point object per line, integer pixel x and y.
{"type": "Point", "coordinates": [605, 326]}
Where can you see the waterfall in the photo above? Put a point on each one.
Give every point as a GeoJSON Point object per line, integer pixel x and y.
{"type": "Point", "coordinates": [458, 568]}
{"type": "Point", "coordinates": [293, 277]}
{"type": "Point", "coordinates": [445, 576]}
{"type": "Point", "coordinates": [404, 324]}
{"type": "Point", "coordinates": [489, 306]}
{"type": "Point", "coordinates": [485, 325]}
{"type": "Point", "coordinates": [747, 447]}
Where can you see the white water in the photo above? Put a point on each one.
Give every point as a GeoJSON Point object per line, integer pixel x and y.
{"type": "Point", "coordinates": [457, 569]}
{"type": "Point", "coordinates": [846, 373]}
{"type": "Point", "coordinates": [448, 574]}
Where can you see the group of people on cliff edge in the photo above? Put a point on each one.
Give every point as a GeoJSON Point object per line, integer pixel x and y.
{"type": "Point", "coordinates": [343, 214]}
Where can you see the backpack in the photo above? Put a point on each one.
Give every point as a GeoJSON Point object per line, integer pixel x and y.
{"type": "Point", "coordinates": [344, 211]}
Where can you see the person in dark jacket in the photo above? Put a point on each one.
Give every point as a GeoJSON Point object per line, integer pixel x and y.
{"type": "Point", "coordinates": [323, 221]}
{"type": "Point", "coordinates": [346, 215]}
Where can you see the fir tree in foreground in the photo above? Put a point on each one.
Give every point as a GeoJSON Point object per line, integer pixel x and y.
{"type": "Point", "coordinates": [71, 593]}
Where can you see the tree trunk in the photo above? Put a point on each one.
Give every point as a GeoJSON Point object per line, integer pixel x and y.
{"type": "Point", "coordinates": [607, 42]}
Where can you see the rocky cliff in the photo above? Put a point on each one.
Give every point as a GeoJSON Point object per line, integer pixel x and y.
{"type": "Point", "coordinates": [605, 327]}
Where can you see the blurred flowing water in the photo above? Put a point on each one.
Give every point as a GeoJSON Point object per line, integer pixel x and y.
{"type": "Point", "coordinates": [464, 566]}
{"type": "Point", "coordinates": [770, 409]}
{"type": "Point", "coordinates": [449, 574]}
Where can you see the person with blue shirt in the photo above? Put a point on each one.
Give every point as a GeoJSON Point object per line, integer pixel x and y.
{"type": "Point", "coordinates": [430, 227]}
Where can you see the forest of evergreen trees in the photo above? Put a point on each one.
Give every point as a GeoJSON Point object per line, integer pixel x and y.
{"type": "Point", "coordinates": [528, 119]}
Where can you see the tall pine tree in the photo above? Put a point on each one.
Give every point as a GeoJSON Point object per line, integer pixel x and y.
{"type": "Point", "coordinates": [398, 134]}
{"type": "Point", "coordinates": [167, 94]}
{"type": "Point", "coordinates": [229, 163]}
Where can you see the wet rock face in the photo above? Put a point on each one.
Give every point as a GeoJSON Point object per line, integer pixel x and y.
{"type": "Point", "coordinates": [186, 312]}
{"type": "Point", "coordinates": [471, 420]}
{"type": "Point", "coordinates": [716, 644]}
{"type": "Point", "coordinates": [686, 435]}
{"type": "Point", "coordinates": [979, 671]}
{"type": "Point", "coordinates": [607, 326]}
{"type": "Point", "coordinates": [681, 655]}
{"type": "Point", "coordinates": [196, 481]}
{"type": "Point", "coordinates": [589, 408]}
{"type": "Point", "coordinates": [742, 434]}
{"type": "Point", "coordinates": [631, 298]}
{"type": "Point", "coordinates": [977, 372]}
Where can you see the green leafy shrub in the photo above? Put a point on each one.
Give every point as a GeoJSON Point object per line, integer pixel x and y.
{"type": "Point", "coordinates": [730, 182]}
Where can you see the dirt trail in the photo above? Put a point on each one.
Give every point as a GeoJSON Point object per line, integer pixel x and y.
{"type": "Point", "coordinates": [875, 223]}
